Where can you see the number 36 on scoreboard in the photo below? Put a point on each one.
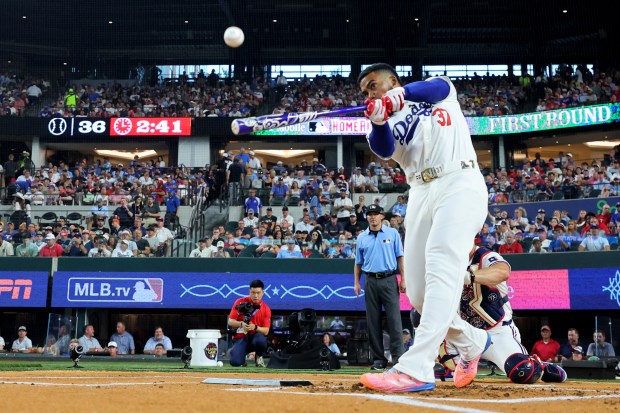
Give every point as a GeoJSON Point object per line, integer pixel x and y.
{"type": "Point", "coordinates": [150, 126]}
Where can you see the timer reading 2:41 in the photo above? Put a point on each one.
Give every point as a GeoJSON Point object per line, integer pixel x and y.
{"type": "Point", "coordinates": [151, 126]}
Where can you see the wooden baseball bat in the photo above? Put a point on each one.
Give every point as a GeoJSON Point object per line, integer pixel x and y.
{"type": "Point", "coordinates": [243, 126]}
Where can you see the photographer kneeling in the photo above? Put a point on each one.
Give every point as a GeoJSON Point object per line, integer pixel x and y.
{"type": "Point", "coordinates": [252, 319]}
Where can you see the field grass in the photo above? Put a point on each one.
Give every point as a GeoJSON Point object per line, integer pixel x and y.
{"type": "Point", "coordinates": [126, 365]}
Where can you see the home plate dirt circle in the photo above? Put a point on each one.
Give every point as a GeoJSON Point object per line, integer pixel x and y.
{"type": "Point", "coordinates": [144, 392]}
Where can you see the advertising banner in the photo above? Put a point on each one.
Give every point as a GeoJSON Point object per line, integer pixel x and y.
{"type": "Point", "coordinates": [478, 125]}
{"type": "Point", "coordinates": [23, 289]}
{"type": "Point", "coordinates": [283, 291]}
{"type": "Point", "coordinates": [595, 288]}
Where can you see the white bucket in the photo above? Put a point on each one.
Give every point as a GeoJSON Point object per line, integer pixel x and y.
{"type": "Point", "coordinates": [204, 347]}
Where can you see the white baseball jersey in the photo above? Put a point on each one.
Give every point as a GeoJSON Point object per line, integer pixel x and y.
{"type": "Point", "coordinates": [428, 135]}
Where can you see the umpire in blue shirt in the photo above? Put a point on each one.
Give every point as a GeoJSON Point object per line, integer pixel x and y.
{"type": "Point", "coordinates": [379, 258]}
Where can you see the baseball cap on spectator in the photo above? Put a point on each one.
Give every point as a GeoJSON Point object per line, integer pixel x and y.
{"type": "Point", "coordinates": [570, 155]}
{"type": "Point", "coordinates": [291, 240]}
{"type": "Point", "coordinates": [159, 219]}
{"type": "Point", "coordinates": [334, 215]}
{"type": "Point", "coordinates": [50, 236]}
{"type": "Point", "coordinates": [202, 240]}
{"type": "Point", "coordinates": [559, 227]}
{"type": "Point", "coordinates": [406, 331]}
{"type": "Point", "coordinates": [250, 211]}
{"type": "Point", "coordinates": [22, 328]}
{"type": "Point", "coordinates": [545, 327]}
{"type": "Point", "coordinates": [226, 155]}
{"type": "Point", "coordinates": [343, 189]}
{"type": "Point", "coordinates": [220, 244]}
{"type": "Point", "coordinates": [535, 239]}
{"type": "Point", "coordinates": [251, 152]}
{"type": "Point", "coordinates": [541, 211]}
{"type": "Point", "coordinates": [280, 179]}
{"type": "Point", "coordinates": [578, 349]}
{"type": "Point", "coordinates": [503, 222]}
{"type": "Point", "coordinates": [279, 163]}
{"type": "Point", "coordinates": [305, 210]}
{"type": "Point", "coordinates": [374, 208]}
{"type": "Point", "coordinates": [593, 226]}
{"type": "Point", "coordinates": [284, 208]}
{"type": "Point", "coordinates": [269, 209]}
{"type": "Point", "coordinates": [125, 242]}
{"type": "Point", "coordinates": [112, 344]}
{"type": "Point", "coordinates": [396, 214]}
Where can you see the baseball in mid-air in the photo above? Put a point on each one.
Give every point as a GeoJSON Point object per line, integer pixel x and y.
{"type": "Point", "coordinates": [234, 37]}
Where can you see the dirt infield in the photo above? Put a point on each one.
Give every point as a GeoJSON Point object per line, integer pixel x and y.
{"type": "Point", "coordinates": [146, 392]}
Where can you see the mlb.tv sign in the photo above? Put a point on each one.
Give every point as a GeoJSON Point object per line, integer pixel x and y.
{"type": "Point", "coordinates": [23, 289]}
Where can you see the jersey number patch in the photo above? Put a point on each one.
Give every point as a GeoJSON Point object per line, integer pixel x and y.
{"type": "Point", "coordinates": [443, 117]}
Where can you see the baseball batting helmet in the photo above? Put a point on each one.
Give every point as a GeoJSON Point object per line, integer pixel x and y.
{"type": "Point", "coordinates": [523, 369]}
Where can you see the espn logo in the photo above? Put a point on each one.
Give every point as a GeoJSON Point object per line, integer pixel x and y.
{"type": "Point", "coordinates": [14, 287]}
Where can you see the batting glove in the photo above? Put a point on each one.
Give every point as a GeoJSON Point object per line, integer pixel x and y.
{"type": "Point", "coordinates": [394, 100]}
{"type": "Point", "coordinates": [376, 111]}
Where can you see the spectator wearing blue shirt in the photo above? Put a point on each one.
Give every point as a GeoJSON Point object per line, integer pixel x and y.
{"type": "Point", "coordinates": [400, 206]}
{"type": "Point", "coordinates": [315, 204]}
{"type": "Point", "coordinates": [172, 208]}
{"type": "Point", "coordinates": [593, 242]}
{"type": "Point", "coordinates": [253, 203]}
{"type": "Point", "coordinates": [289, 251]}
{"type": "Point", "coordinates": [560, 243]}
{"type": "Point", "coordinates": [158, 338]}
{"type": "Point", "coordinates": [123, 339]}
{"type": "Point", "coordinates": [615, 218]}
{"type": "Point", "coordinates": [279, 190]}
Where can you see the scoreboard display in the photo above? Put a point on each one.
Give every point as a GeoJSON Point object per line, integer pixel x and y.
{"type": "Point", "coordinates": [93, 127]}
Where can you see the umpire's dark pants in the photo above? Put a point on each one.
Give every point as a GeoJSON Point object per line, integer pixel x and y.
{"type": "Point", "coordinates": [241, 347]}
{"type": "Point", "coordinates": [383, 292]}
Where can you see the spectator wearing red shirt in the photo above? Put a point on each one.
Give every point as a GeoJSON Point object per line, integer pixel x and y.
{"type": "Point", "coordinates": [251, 336]}
{"type": "Point", "coordinates": [546, 348]}
{"type": "Point", "coordinates": [511, 246]}
{"type": "Point", "coordinates": [605, 216]}
{"type": "Point", "coordinates": [398, 177]}
{"type": "Point", "coordinates": [51, 249]}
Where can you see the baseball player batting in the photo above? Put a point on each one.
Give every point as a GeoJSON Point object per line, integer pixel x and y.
{"type": "Point", "coordinates": [421, 126]}
{"type": "Point", "coordinates": [484, 304]}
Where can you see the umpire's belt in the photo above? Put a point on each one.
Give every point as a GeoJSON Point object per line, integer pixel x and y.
{"type": "Point", "coordinates": [435, 172]}
{"type": "Point", "coordinates": [380, 275]}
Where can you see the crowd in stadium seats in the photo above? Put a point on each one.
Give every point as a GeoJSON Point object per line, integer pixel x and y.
{"type": "Point", "coordinates": [125, 198]}
{"type": "Point", "coordinates": [179, 99]}
{"type": "Point", "coordinates": [556, 178]}
{"type": "Point", "coordinates": [570, 88]}
{"type": "Point", "coordinates": [486, 95]}
{"type": "Point", "coordinates": [125, 201]}
{"type": "Point", "coordinates": [17, 92]}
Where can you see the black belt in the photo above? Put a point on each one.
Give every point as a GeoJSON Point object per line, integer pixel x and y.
{"type": "Point", "coordinates": [380, 275]}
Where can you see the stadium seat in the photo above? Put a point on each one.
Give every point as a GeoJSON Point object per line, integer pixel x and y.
{"type": "Point", "coordinates": [594, 193]}
{"type": "Point", "coordinates": [574, 246]}
{"type": "Point", "coordinates": [385, 188]}
{"type": "Point", "coordinates": [245, 254]}
{"type": "Point", "coordinates": [49, 218]}
{"type": "Point", "coordinates": [400, 188]}
{"type": "Point", "coordinates": [231, 226]}
{"type": "Point", "coordinates": [558, 196]}
{"type": "Point", "coordinates": [316, 254]}
{"type": "Point", "coordinates": [526, 244]}
{"type": "Point", "coordinates": [75, 218]}
{"type": "Point", "coordinates": [268, 254]}
{"type": "Point", "coordinates": [250, 248]}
